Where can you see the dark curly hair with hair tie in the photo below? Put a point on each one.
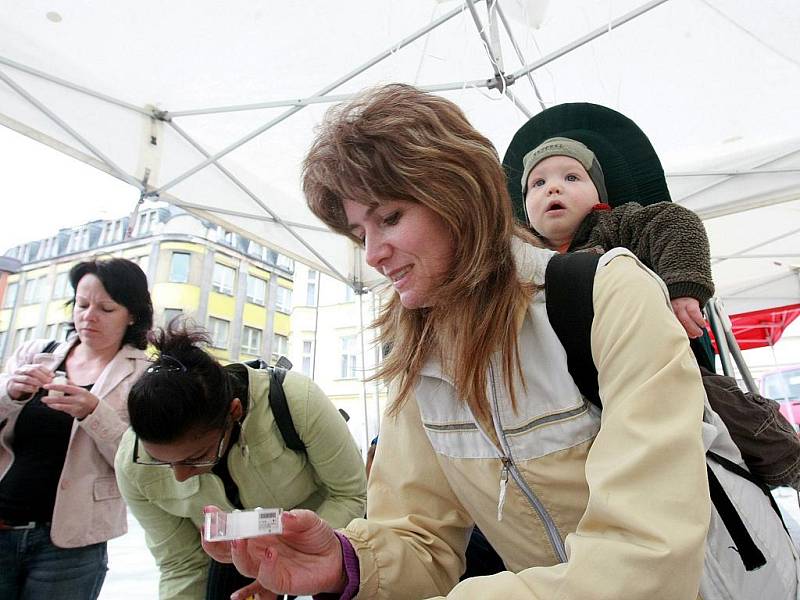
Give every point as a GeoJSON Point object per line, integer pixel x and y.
{"type": "Point", "coordinates": [185, 390]}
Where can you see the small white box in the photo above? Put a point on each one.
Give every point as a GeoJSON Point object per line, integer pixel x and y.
{"type": "Point", "coordinates": [221, 526]}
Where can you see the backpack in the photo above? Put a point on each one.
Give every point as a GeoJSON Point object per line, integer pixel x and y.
{"type": "Point", "coordinates": [278, 403]}
{"type": "Point", "coordinates": [768, 444]}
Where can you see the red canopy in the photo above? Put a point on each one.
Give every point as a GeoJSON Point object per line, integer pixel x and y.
{"type": "Point", "coordinates": [761, 328]}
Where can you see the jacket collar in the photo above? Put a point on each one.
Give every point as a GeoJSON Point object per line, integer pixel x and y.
{"type": "Point", "coordinates": [121, 366]}
{"type": "Point", "coordinates": [531, 262]}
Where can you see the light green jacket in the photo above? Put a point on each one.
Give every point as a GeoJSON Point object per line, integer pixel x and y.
{"type": "Point", "coordinates": [329, 480]}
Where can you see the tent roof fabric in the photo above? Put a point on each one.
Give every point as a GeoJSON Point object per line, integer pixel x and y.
{"type": "Point", "coordinates": [211, 106]}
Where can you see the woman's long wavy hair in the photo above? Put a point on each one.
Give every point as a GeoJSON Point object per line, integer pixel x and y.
{"type": "Point", "coordinates": [399, 143]}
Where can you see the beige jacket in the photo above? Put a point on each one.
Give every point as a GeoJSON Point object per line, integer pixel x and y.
{"type": "Point", "coordinates": [580, 505]}
{"type": "Point", "coordinates": [88, 508]}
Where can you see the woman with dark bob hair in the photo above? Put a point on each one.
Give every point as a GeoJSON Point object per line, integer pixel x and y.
{"type": "Point", "coordinates": [486, 426]}
{"type": "Point", "coordinates": [59, 501]}
{"type": "Point", "coordinates": [213, 428]}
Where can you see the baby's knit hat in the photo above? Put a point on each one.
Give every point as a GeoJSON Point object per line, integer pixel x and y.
{"type": "Point", "coordinates": [631, 169]}
{"type": "Point", "coordinates": [561, 146]}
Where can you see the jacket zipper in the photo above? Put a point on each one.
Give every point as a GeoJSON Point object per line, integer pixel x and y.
{"type": "Point", "coordinates": [510, 467]}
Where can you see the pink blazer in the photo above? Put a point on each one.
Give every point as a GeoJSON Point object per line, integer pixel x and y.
{"type": "Point", "coordinates": [88, 508]}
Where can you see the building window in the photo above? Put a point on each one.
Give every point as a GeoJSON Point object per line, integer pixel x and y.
{"type": "Point", "coordinates": [44, 248]}
{"type": "Point", "coordinates": [57, 331]}
{"type": "Point", "coordinates": [79, 240]}
{"type": "Point", "coordinates": [283, 299]}
{"type": "Point", "coordinates": [222, 280]}
{"type": "Point", "coordinates": [61, 332]}
{"type": "Point", "coordinates": [347, 364]}
{"type": "Point", "coordinates": [170, 314]}
{"type": "Point", "coordinates": [256, 290]}
{"type": "Point", "coordinates": [280, 346]}
{"type": "Point", "coordinates": [229, 238]}
{"type": "Point", "coordinates": [179, 267]}
{"type": "Point", "coordinates": [254, 248]}
{"type": "Point", "coordinates": [33, 290]}
{"type": "Point", "coordinates": [279, 260]}
{"type": "Point", "coordinates": [3, 336]}
{"type": "Point", "coordinates": [311, 288]}
{"type": "Point", "coordinates": [306, 364]}
{"type": "Point", "coordinates": [31, 251]}
{"type": "Point", "coordinates": [218, 328]}
{"type": "Point", "coordinates": [144, 262]}
{"type": "Point", "coordinates": [62, 286]}
{"type": "Point", "coordinates": [10, 298]}
{"type": "Point", "coordinates": [251, 340]}
{"type": "Point", "coordinates": [23, 335]}
{"type": "Point", "coordinates": [146, 222]}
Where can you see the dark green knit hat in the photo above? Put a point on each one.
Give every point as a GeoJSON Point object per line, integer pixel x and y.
{"type": "Point", "coordinates": [631, 168]}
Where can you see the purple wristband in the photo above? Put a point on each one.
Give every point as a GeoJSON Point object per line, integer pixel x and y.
{"type": "Point", "coordinates": [351, 571]}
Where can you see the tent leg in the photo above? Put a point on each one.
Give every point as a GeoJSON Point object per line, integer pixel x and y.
{"type": "Point", "coordinates": [719, 336]}
{"type": "Point", "coordinates": [733, 346]}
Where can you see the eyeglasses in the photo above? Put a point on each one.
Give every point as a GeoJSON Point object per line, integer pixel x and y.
{"type": "Point", "coordinates": [167, 364]}
{"type": "Point", "coordinates": [194, 463]}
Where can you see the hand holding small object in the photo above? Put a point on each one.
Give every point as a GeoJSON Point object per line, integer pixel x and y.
{"type": "Point", "coordinates": [74, 400]}
{"type": "Point", "coordinates": [26, 380]}
{"type": "Point", "coordinates": [305, 559]}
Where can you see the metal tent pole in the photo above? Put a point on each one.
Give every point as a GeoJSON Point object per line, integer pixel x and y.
{"type": "Point", "coordinates": [600, 31]}
{"type": "Point", "coordinates": [322, 92]}
{"type": "Point", "coordinates": [119, 172]}
{"type": "Point", "coordinates": [733, 346]}
{"type": "Point", "coordinates": [729, 177]}
{"type": "Point", "coordinates": [73, 86]}
{"type": "Point", "coordinates": [759, 245]}
{"type": "Point", "coordinates": [518, 52]}
{"type": "Point", "coordinates": [236, 181]}
{"type": "Point", "coordinates": [719, 336]}
{"type": "Point", "coordinates": [494, 54]}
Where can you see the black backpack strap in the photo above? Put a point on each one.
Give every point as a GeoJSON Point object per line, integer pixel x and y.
{"type": "Point", "coordinates": [569, 282]}
{"type": "Point", "coordinates": [51, 345]}
{"type": "Point", "coordinates": [741, 472]}
{"type": "Point", "coordinates": [751, 556]}
{"type": "Point", "coordinates": [280, 410]}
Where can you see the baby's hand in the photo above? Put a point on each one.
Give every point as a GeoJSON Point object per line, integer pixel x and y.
{"type": "Point", "coordinates": [689, 314]}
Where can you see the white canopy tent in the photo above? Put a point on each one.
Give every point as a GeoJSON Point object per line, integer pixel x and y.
{"type": "Point", "coordinates": [211, 106]}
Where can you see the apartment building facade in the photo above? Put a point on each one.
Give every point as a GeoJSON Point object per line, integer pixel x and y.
{"type": "Point", "coordinates": [255, 302]}
{"type": "Point", "coordinates": [238, 289]}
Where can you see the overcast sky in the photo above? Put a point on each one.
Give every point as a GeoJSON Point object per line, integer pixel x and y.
{"type": "Point", "coordinates": [44, 190]}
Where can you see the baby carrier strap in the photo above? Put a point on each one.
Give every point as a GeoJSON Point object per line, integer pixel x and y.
{"type": "Point", "coordinates": [569, 283]}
